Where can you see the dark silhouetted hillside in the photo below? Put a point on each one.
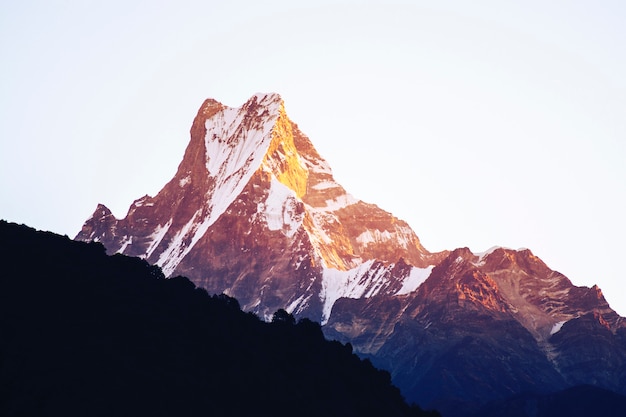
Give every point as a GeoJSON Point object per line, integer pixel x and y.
{"type": "Point", "coordinates": [86, 334]}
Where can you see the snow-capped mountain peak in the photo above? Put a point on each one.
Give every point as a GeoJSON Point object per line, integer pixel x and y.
{"type": "Point", "coordinates": [249, 173]}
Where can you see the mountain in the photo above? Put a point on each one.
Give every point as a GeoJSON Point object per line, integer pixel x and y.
{"type": "Point", "coordinates": [86, 334]}
{"type": "Point", "coordinates": [254, 212]}
{"type": "Point", "coordinates": [485, 326]}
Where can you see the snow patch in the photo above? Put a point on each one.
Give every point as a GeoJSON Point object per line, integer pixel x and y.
{"type": "Point", "coordinates": [483, 255]}
{"type": "Point", "coordinates": [176, 251]}
{"type": "Point", "coordinates": [324, 185]}
{"type": "Point", "coordinates": [416, 277]}
{"type": "Point", "coordinates": [128, 240]}
{"type": "Point", "coordinates": [184, 181]}
{"type": "Point", "coordinates": [141, 202]}
{"type": "Point", "coordinates": [557, 327]}
{"type": "Point", "coordinates": [340, 202]}
{"type": "Point", "coordinates": [281, 209]}
{"type": "Point", "coordinates": [298, 305]}
{"type": "Point", "coordinates": [320, 219]}
{"type": "Point", "coordinates": [363, 281]}
{"type": "Point", "coordinates": [157, 237]}
{"type": "Point", "coordinates": [318, 166]}
{"type": "Point", "coordinates": [372, 236]}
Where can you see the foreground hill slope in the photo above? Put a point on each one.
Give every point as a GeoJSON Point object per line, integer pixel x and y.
{"type": "Point", "coordinates": [86, 334]}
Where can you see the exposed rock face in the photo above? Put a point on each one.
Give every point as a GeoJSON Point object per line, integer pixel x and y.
{"type": "Point", "coordinates": [485, 327]}
{"type": "Point", "coordinates": [253, 211]}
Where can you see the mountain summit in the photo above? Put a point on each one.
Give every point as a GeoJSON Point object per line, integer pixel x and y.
{"type": "Point", "coordinates": [254, 212]}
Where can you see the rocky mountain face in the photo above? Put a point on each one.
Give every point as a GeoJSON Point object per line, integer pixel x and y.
{"type": "Point", "coordinates": [254, 212]}
{"type": "Point", "coordinates": [485, 326]}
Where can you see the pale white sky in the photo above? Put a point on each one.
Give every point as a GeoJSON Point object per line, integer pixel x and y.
{"type": "Point", "coordinates": [480, 123]}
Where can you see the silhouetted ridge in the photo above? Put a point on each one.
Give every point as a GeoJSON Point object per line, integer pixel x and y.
{"type": "Point", "coordinates": [86, 334]}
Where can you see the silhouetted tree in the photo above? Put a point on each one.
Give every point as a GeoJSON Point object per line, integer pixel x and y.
{"type": "Point", "coordinates": [281, 316]}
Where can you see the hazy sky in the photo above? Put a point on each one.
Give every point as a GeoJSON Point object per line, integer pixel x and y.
{"type": "Point", "coordinates": [481, 123]}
